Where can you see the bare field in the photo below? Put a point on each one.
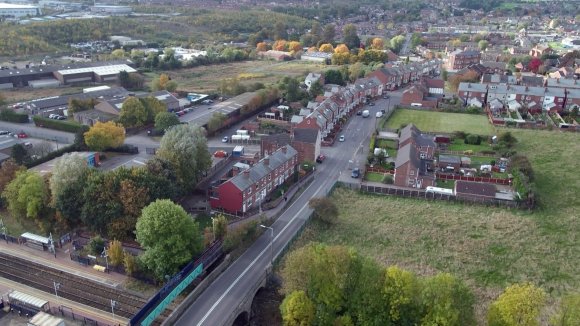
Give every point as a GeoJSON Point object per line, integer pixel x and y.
{"type": "Point", "coordinates": [205, 79]}
{"type": "Point", "coordinates": [489, 248]}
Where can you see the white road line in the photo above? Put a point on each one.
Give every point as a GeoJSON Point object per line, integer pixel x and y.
{"type": "Point", "coordinates": [254, 261]}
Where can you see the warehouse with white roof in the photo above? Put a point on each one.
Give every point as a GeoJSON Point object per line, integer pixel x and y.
{"type": "Point", "coordinates": [14, 11]}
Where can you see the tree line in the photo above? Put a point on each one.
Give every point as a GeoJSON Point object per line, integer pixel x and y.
{"type": "Point", "coordinates": [335, 285]}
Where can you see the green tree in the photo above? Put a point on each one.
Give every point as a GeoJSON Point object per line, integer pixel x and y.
{"type": "Point", "coordinates": [447, 301]}
{"type": "Point", "coordinates": [133, 113]}
{"type": "Point", "coordinates": [216, 121]}
{"type": "Point", "coordinates": [19, 154]}
{"type": "Point", "coordinates": [118, 54]}
{"type": "Point", "coordinates": [297, 309]}
{"type": "Point", "coordinates": [324, 209]}
{"type": "Point", "coordinates": [129, 263]}
{"type": "Point", "coordinates": [153, 107]}
{"type": "Point", "coordinates": [103, 135]}
{"type": "Point", "coordinates": [164, 120]}
{"type": "Point", "coordinates": [124, 79]}
{"type": "Point", "coordinates": [8, 171]}
{"type": "Point", "coordinates": [483, 44]}
{"type": "Point", "coordinates": [169, 235]}
{"type": "Point", "coordinates": [69, 200]}
{"type": "Point", "coordinates": [397, 43]}
{"type": "Point", "coordinates": [27, 195]}
{"type": "Point", "coordinates": [401, 290]}
{"type": "Point", "coordinates": [101, 204]}
{"type": "Point", "coordinates": [69, 168]}
{"type": "Point", "coordinates": [518, 305]}
{"type": "Point", "coordinates": [350, 36]}
{"type": "Point", "coordinates": [444, 74]}
{"type": "Point", "coordinates": [329, 33]}
{"type": "Point", "coordinates": [185, 146]}
{"type": "Point", "coordinates": [569, 311]}
{"type": "Point", "coordinates": [333, 76]}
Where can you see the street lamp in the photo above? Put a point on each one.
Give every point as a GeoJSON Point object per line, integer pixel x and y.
{"type": "Point", "coordinates": [271, 242]}
{"type": "Point", "coordinates": [56, 287]}
{"type": "Point", "coordinates": [113, 305]}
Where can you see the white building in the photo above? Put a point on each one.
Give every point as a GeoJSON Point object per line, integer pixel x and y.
{"type": "Point", "coordinates": [12, 10]}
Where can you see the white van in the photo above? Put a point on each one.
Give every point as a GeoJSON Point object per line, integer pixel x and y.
{"type": "Point", "coordinates": [416, 104]}
{"type": "Point", "coordinates": [379, 114]}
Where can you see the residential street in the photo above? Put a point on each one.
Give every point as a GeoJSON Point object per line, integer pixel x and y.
{"type": "Point", "coordinates": [217, 301]}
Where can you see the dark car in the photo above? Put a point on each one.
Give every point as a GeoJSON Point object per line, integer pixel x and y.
{"type": "Point", "coordinates": [320, 158]}
{"type": "Point", "coordinates": [359, 113]}
{"type": "Point", "coordinates": [386, 97]}
{"type": "Point", "coordinates": [372, 104]}
{"type": "Point", "coordinates": [355, 173]}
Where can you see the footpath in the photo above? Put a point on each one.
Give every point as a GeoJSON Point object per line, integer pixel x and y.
{"type": "Point", "coordinates": [62, 261]}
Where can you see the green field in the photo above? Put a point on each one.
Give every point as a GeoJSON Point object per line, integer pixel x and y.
{"type": "Point", "coordinates": [441, 122]}
{"type": "Point", "coordinates": [487, 247]}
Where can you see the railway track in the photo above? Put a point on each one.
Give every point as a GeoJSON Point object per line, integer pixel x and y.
{"type": "Point", "coordinates": [71, 286]}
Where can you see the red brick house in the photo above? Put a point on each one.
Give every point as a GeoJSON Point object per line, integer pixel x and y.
{"type": "Point", "coordinates": [270, 144]}
{"type": "Point", "coordinates": [428, 92]}
{"type": "Point", "coordinates": [414, 162]}
{"type": "Point", "coordinates": [539, 50]}
{"type": "Point", "coordinates": [307, 144]}
{"type": "Point", "coordinates": [459, 59]}
{"type": "Point", "coordinates": [248, 189]}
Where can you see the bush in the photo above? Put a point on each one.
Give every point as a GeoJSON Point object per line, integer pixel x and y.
{"type": "Point", "coordinates": [53, 155]}
{"type": "Point", "coordinates": [96, 245]}
{"type": "Point", "coordinates": [62, 125]}
{"type": "Point", "coordinates": [472, 139]}
{"type": "Point", "coordinates": [11, 116]}
{"type": "Point", "coordinates": [459, 134]}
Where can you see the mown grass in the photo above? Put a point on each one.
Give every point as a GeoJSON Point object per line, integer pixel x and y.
{"type": "Point", "coordinates": [459, 145]}
{"type": "Point", "coordinates": [489, 248]}
{"type": "Point", "coordinates": [374, 177]}
{"type": "Point", "coordinates": [441, 122]}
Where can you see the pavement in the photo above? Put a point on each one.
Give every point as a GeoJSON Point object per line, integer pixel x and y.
{"type": "Point", "coordinates": [62, 262]}
{"type": "Point", "coordinates": [215, 304]}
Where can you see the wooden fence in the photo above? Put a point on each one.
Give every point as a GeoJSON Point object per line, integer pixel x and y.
{"type": "Point", "coordinates": [498, 181]}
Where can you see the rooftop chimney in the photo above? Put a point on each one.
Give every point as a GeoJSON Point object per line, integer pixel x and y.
{"type": "Point", "coordinates": [284, 149]}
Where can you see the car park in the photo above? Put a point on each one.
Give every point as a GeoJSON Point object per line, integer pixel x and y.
{"type": "Point", "coordinates": [320, 158]}
{"type": "Point", "coordinates": [355, 173]}
{"type": "Point", "coordinates": [341, 138]}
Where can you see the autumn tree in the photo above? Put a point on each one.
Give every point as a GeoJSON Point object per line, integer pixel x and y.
{"type": "Point", "coordinates": [153, 107]}
{"type": "Point", "coordinates": [103, 135]}
{"type": "Point", "coordinates": [115, 253]}
{"type": "Point", "coordinates": [294, 46]}
{"type": "Point", "coordinates": [341, 48]}
{"type": "Point", "coordinates": [68, 169]}
{"type": "Point", "coordinates": [161, 83]}
{"type": "Point", "coordinates": [220, 225]}
{"type": "Point", "coordinates": [169, 235]}
{"type": "Point", "coordinates": [216, 121]}
{"type": "Point", "coordinates": [133, 197]}
{"type": "Point", "coordinates": [378, 43]}
{"type": "Point", "coordinates": [297, 309]}
{"type": "Point", "coordinates": [350, 36]}
{"type": "Point", "coordinates": [129, 263]}
{"type": "Point", "coordinates": [401, 290]}
{"type": "Point", "coordinates": [164, 120]}
{"type": "Point", "coordinates": [280, 45]}
{"type": "Point", "coordinates": [185, 146]}
{"type": "Point", "coordinates": [534, 64]}
{"type": "Point", "coordinates": [262, 47]}
{"type": "Point", "coordinates": [447, 301]}
{"type": "Point", "coordinates": [518, 305]}
{"type": "Point", "coordinates": [26, 195]}
{"type": "Point", "coordinates": [468, 77]}
{"type": "Point", "coordinates": [327, 47]}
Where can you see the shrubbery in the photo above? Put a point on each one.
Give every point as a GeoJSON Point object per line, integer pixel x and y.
{"type": "Point", "coordinates": [11, 116]}
{"type": "Point", "coordinates": [62, 125]}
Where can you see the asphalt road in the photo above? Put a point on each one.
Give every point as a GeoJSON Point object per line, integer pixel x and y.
{"type": "Point", "coordinates": [33, 131]}
{"type": "Point", "coordinates": [216, 303]}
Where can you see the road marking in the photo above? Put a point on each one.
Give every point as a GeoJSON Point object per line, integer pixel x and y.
{"type": "Point", "coordinates": [255, 260]}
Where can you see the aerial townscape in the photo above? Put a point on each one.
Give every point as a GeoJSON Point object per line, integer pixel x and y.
{"type": "Point", "coordinates": [290, 163]}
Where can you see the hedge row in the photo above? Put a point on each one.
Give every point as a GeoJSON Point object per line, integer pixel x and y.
{"type": "Point", "coordinates": [11, 116]}
{"type": "Point", "coordinates": [53, 155]}
{"type": "Point", "coordinates": [62, 125]}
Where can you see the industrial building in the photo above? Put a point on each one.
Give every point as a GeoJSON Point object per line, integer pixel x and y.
{"type": "Point", "coordinates": [10, 10]}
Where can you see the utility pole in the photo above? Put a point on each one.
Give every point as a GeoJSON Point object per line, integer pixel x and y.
{"type": "Point", "coordinates": [113, 305]}
{"type": "Point", "coordinates": [106, 255]}
{"type": "Point", "coordinates": [56, 287]}
{"type": "Point", "coordinates": [3, 227]}
{"type": "Point", "coordinates": [213, 227]}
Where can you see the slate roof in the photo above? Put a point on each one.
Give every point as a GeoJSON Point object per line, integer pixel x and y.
{"type": "Point", "coordinates": [449, 159]}
{"type": "Point", "coordinates": [306, 135]}
{"type": "Point", "coordinates": [475, 188]}
{"type": "Point", "coordinates": [471, 87]}
{"type": "Point", "coordinates": [63, 100]}
{"type": "Point", "coordinates": [410, 131]}
{"type": "Point", "coordinates": [260, 169]}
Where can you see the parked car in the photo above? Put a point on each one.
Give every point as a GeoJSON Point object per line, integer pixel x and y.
{"type": "Point", "coordinates": [22, 134]}
{"type": "Point", "coordinates": [60, 117]}
{"type": "Point", "coordinates": [320, 158]}
{"type": "Point", "coordinates": [341, 138]}
{"type": "Point", "coordinates": [4, 132]}
{"type": "Point", "coordinates": [207, 101]}
{"type": "Point", "coordinates": [359, 113]}
{"type": "Point", "coordinates": [355, 173]}
{"type": "Point", "coordinates": [383, 111]}
{"type": "Point", "coordinates": [52, 116]}
{"type": "Point", "coordinates": [385, 96]}
{"type": "Point", "coordinates": [372, 104]}
{"type": "Point", "coordinates": [225, 139]}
